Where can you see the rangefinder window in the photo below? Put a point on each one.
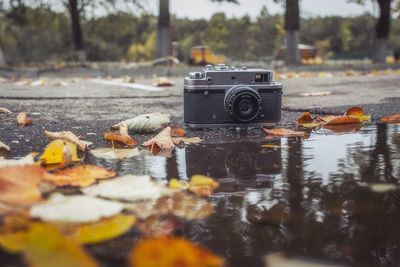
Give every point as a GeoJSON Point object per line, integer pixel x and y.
{"type": "Point", "coordinates": [261, 78]}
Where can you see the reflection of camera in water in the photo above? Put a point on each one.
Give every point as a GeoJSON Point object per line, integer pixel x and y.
{"type": "Point", "coordinates": [236, 165]}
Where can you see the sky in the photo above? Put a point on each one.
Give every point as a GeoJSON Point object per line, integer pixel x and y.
{"type": "Point", "coordinates": [195, 9]}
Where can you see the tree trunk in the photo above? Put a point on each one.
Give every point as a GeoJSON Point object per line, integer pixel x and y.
{"type": "Point", "coordinates": [382, 30]}
{"type": "Point", "coordinates": [76, 27]}
{"type": "Point", "coordinates": [292, 26]}
{"type": "Point", "coordinates": [163, 31]}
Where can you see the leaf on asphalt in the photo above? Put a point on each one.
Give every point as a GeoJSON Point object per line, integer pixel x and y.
{"type": "Point", "coordinates": [359, 113]}
{"type": "Point", "coordinates": [335, 120]}
{"type": "Point", "coordinates": [280, 132]}
{"type": "Point", "coordinates": [19, 185]}
{"type": "Point", "coordinates": [23, 120]}
{"type": "Point", "coordinates": [98, 232]}
{"type": "Point", "coordinates": [27, 160]}
{"type": "Point", "coordinates": [5, 110]}
{"type": "Point", "coordinates": [114, 153]}
{"type": "Point", "coordinates": [53, 153]}
{"type": "Point", "coordinates": [4, 147]}
{"type": "Point", "coordinates": [163, 81]}
{"type": "Point", "coordinates": [146, 123]}
{"type": "Point", "coordinates": [391, 119]}
{"type": "Point", "coordinates": [122, 137]}
{"type": "Point", "coordinates": [187, 140]}
{"type": "Point", "coordinates": [81, 175]}
{"type": "Point", "coordinates": [305, 117]}
{"type": "Point", "coordinates": [177, 132]}
{"type": "Point", "coordinates": [153, 252]}
{"type": "Point", "coordinates": [46, 247]}
{"type": "Point", "coordinates": [162, 141]}
{"type": "Point", "coordinates": [75, 209]}
{"type": "Point", "coordinates": [158, 226]}
{"type": "Point", "coordinates": [128, 188]}
{"type": "Point", "coordinates": [67, 136]}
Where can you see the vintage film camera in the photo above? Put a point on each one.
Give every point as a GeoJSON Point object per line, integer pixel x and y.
{"type": "Point", "coordinates": [224, 96]}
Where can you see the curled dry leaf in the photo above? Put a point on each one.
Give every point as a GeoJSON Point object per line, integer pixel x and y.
{"type": "Point", "coordinates": [75, 209]}
{"type": "Point", "coordinates": [153, 252]}
{"type": "Point", "coordinates": [162, 141]}
{"type": "Point", "coordinates": [163, 81]}
{"type": "Point", "coordinates": [81, 175]}
{"type": "Point", "coordinates": [280, 132]}
{"type": "Point", "coordinates": [19, 185]}
{"type": "Point", "coordinates": [177, 132]}
{"type": "Point", "coordinates": [187, 140]}
{"type": "Point", "coordinates": [53, 153]}
{"type": "Point", "coordinates": [67, 136]}
{"type": "Point", "coordinates": [357, 112]}
{"type": "Point", "coordinates": [305, 117]}
{"type": "Point", "coordinates": [5, 110]}
{"type": "Point", "coordinates": [23, 120]}
{"type": "Point", "coordinates": [122, 136]}
{"type": "Point", "coordinates": [391, 119]}
{"type": "Point", "coordinates": [146, 123]}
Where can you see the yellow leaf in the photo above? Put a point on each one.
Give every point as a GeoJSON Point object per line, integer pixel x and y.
{"type": "Point", "coordinates": [272, 146]}
{"type": "Point", "coordinates": [13, 242]}
{"type": "Point", "coordinates": [101, 231]}
{"type": "Point", "coordinates": [53, 153]}
{"type": "Point", "coordinates": [46, 247]}
{"type": "Point", "coordinates": [365, 118]}
{"type": "Point", "coordinates": [177, 184]}
{"type": "Point", "coordinates": [202, 185]}
{"type": "Point", "coordinates": [310, 125]}
{"type": "Point", "coordinates": [172, 252]}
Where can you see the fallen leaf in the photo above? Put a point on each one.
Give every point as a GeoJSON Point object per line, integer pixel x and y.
{"type": "Point", "coordinates": [19, 185]}
{"type": "Point", "coordinates": [178, 132]}
{"type": "Point", "coordinates": [178, 184]}
{"type": "Point", "coordinates": [98, 232]}
{"type": "Point", "coordinates": [359, 113]}
{"type": "Point", "coordinates": [81, 175]}
{"type": "Point", "coordinates": [284, 132]}
{"type": "Point", "coordinates": [333, 120]}
{"type": "Point", "coordinates": [5, 110]}
{"type": "Point", "coordinates": [202, 185]}
{"type": "Point", "coordinates": [153, 252]}
{"type": "Point", "coordinates": [163, 81]}
{"type": "Point", "coordinates": [114, 153]}
{"type": "Point", "coordinates": [128, 188]}
{"type": "Point", "coordinates": [4, 147]}
{"type": "Point", "coordinates": [27, 160]}
{"type": "Point", "coordinates": [305, 117]}
{"type": "Point", "coordinates": [344, 128]}
{"type": "Point", "coordinates": [46, 247]}
{"type": "Point", "coordinates": [158, 226]}
{"type": "Point", "coordinates": [390, 119]}
{"type": "Point", "coordinates": [122, 136]}
{"type": "Point", "coordinates": [162, 140]}
{"type": "Point", "coordinates": [146, 123]}
{"type": "Point", "coordinates": [67, 136]}
{"type": "Point", "coordinates": [187, 140]}
{"type": "Point", "coordinates": [279, 259]}
{"type": "Point", "coordinates": [53, 153]}
{"type": "Point", "coordinates": [23, 120]}
{"type": "Point", "coordinates": [311, 125]}
{"type": "Point", "coordinates": [75, 209]}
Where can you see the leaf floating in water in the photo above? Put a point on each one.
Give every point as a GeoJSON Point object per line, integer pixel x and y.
{"type": "Point", "coordinates": [391, 119]}
{"type": "Point", "coordinates": [153, 252]}
{"type": "Point", "coordinates": [81, 175]}
{"type": "Point", "coordinates": [19, 185]}
{"type": "Point", "coordinates": [67, 136]}
{"type": "Point", "coordinates": [76, 209]}
{"type": "Point", "coordinates": [280, 260]}
{"type": "Point", "coordinates": [53, 153]}
{"type": "Point", "coordinates": [202, 185]}
{"type": "Point", "coordinates": [114, 153]}
{"type": "Point", "coordinates": [334, 120]}
{"type": "Point", "coordinates": [305, 117]}
{"type": "Point", "coordinates": [271, 146]}
{"type": "Point", "coordinates": [280, 132]}
{"type": "Point", "coordinates": [146, 123]}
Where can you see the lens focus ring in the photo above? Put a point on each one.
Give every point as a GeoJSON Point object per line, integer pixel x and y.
{"type": "Point", "coordinates": [242, 103]}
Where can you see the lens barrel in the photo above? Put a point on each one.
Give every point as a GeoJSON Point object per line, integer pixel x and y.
{"type": "Point", "coordinates": [242, 103]}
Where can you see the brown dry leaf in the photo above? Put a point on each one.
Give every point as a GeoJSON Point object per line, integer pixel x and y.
{"type": "Point", "coordinates": [333, 120]}
{"type": "Point", "coordinates": [67, 136]}
{"type": "Point", "coordinates": [284, 132]}
{"type": "Point", "coordinates": [23, 120]}
{"type": "Point", "coordinates": [163, 81]}
{"type": "Point", "coordinates": [390, 119]}
{"type": "Point", "coordinates": [122, 137]}
{"type": "Point", "coordinates": [81, 175]}
{"type": "Point", "coordinates": [187, 140]}
{"type": "Point", "coordinates": [354, 111]}
{"type": "Point", "coordinates": [305, 117]}
{"type": "Point", "coordinates": [162, 141]}
{"type": "Point", "coordinates": [172, 252]}
{"type": "Point", "coordinates": [5, 110]}
{"type": "Point", "coordinates": [177, 132]}
{"type": "Point", "coordinates": [344, 128]}
{"type": "Point", "coordinates": [19, 185]}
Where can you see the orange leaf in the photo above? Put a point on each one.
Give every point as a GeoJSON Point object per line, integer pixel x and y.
{"type": "Point", "coordinates": [19, 185]}
{"type": "Point", "coordinates": [305, 117]}
{"type": "Point", "coordinates": [284, 132]}
{"type": "Point", "coordinates": [333, 120]}
{"type": "Point", "coordinates": [125, 139]}
{"type": "Point", "coordinates": [23, 120]}
{"type": "Point", "coordinates": [344, 128]}
{"type": "Point", "coordinates": [172, 252]}
{"type": "Point", "coordinates": [81, 175]}
{"type": "Point", "coordinates": [178, 132]}
{"type": "Point", "coordinates": [355, 111]}
{"type": "Point", "coordinates": [390, 119]}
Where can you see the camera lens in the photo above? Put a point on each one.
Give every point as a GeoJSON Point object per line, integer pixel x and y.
{"type": "Point", "coordinates": [242, 103]}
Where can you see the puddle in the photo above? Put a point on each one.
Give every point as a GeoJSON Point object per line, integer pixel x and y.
{"type": "Point", "coordinates": [308, 198]}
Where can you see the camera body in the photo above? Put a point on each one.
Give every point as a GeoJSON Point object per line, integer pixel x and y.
{"type": "Point", "coordinates": [224, 96]}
